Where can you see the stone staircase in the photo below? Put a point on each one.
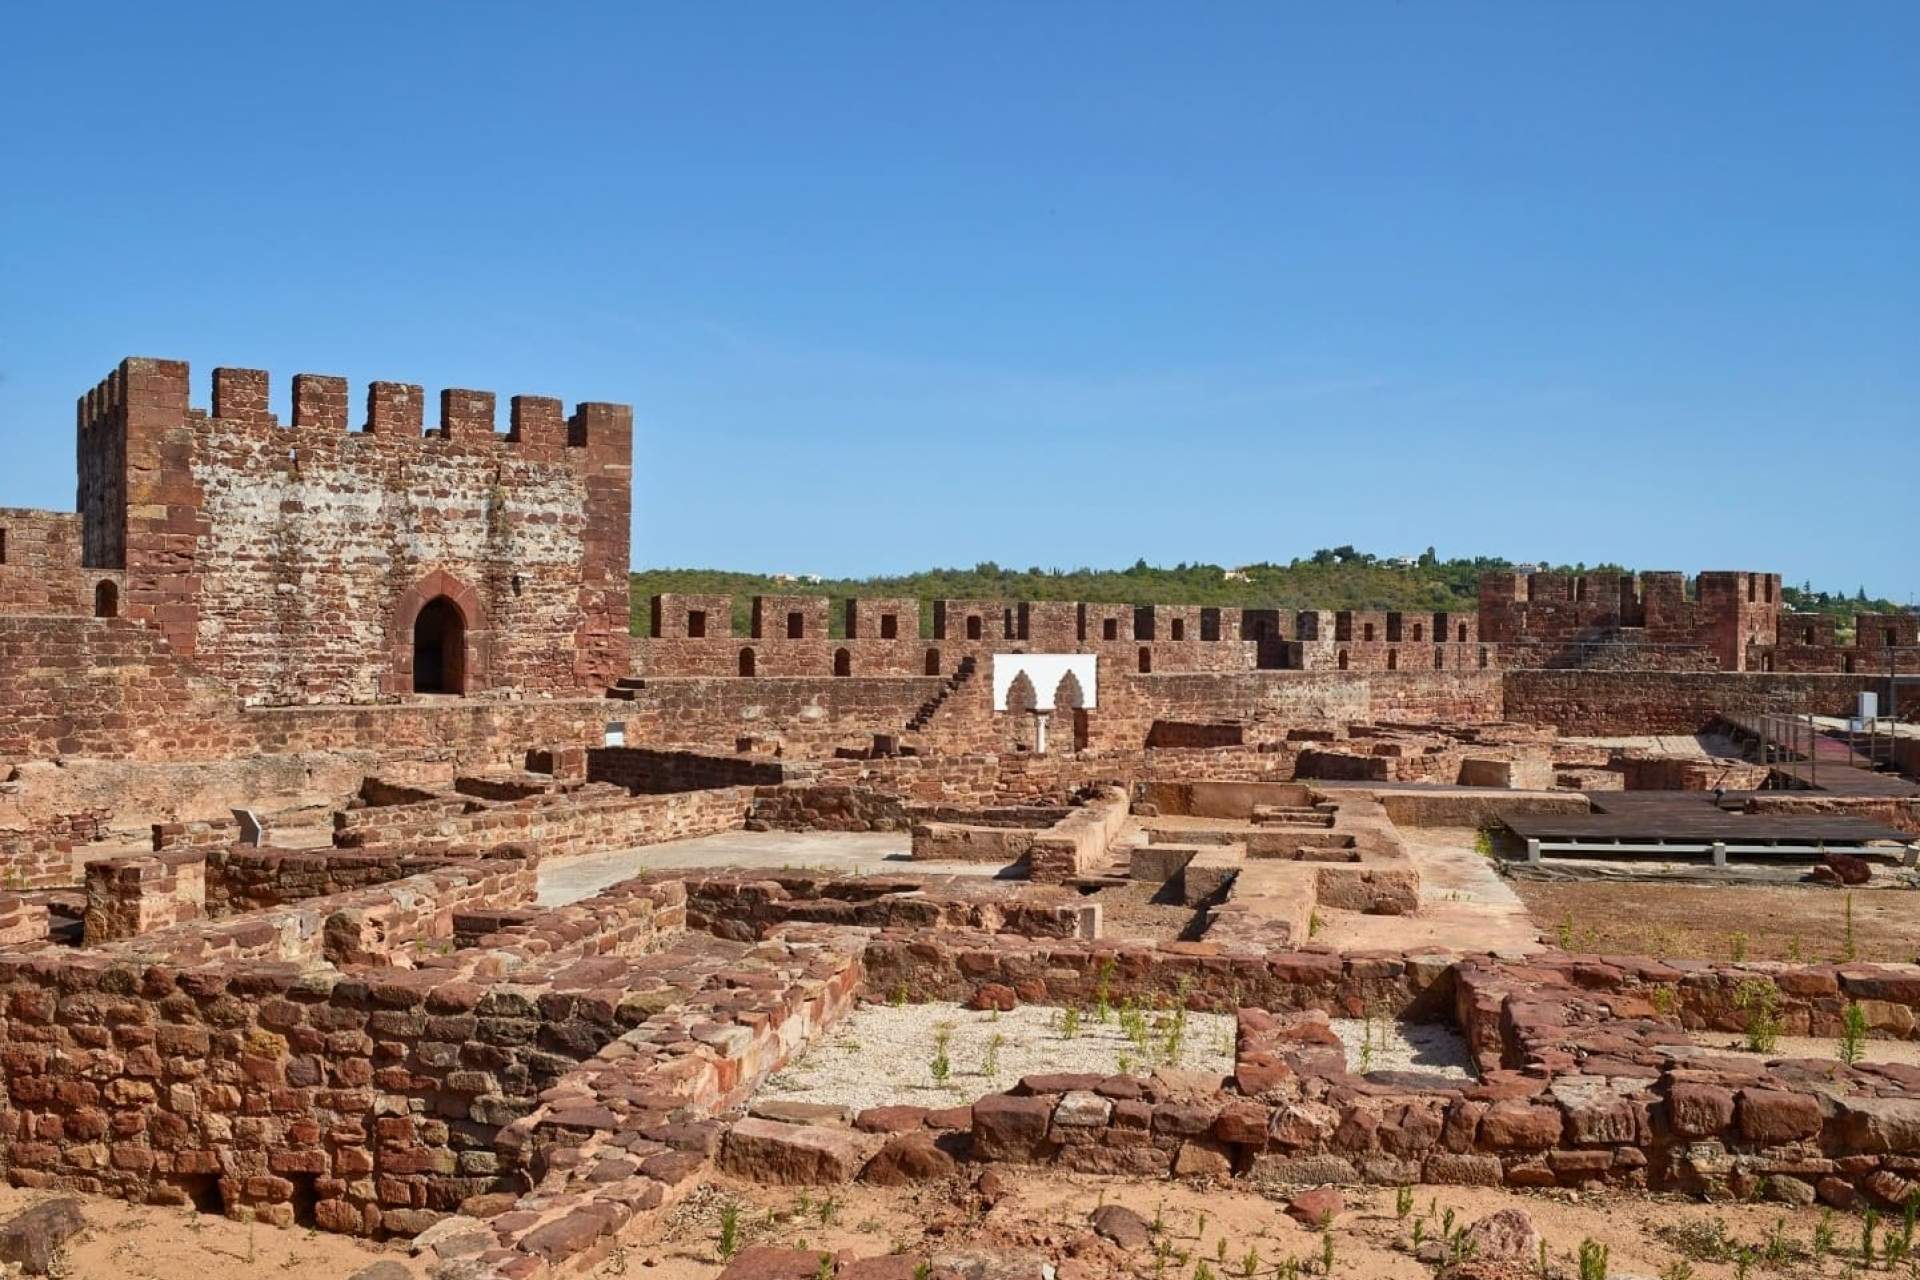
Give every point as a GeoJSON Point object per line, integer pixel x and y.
{"type": "Point", "coordinates": [951, 685]}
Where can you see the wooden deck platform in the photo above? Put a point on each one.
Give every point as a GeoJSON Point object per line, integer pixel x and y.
{"type": "Point", "coordinates": [1689, 817]}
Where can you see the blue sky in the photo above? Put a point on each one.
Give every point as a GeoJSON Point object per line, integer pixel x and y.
{"type": "Point", "coordinates": [895, 285]}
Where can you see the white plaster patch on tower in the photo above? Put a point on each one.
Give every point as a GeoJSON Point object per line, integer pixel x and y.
{"type": "Point", "coordinates": [1045, 671]}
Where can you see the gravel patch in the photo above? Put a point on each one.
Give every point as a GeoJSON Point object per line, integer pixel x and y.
{"type": "Point", "coordinates": [1429, 1047]}
{"type": "Point", "coordinates": [882, 1055]}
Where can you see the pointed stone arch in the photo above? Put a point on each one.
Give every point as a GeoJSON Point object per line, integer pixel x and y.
{"type": "Point", "coordinates": [1068, 696]}
{"type": "Point", "coordinates": [1021, 695]}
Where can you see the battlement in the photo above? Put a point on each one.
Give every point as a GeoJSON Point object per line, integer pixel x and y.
{"type": "Point", "coordinates": [158, 391]}
{"type": "Point", "coordinates": [295, 559]}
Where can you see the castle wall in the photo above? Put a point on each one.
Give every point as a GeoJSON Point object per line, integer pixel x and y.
{"type": "Point", "coordinates": [289, 561]}
{"type": "Point", "coordinates": [1605, 703]}
{"type": "Point", "coordinates": [40, 563]}
{"type": "Point", "coordinates": [1574, 620]}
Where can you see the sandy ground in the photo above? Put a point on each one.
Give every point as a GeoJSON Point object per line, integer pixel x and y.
{"type": "Point", "coordinates": [1049, 1212]}
{"type": "Point", "coordinates": [1464, 903]}
{"type": "Point", "coordinates": [140, 1242]}
{"type": "Point", "coordinates": [1709, 922]}
{"type": "Point", "coordinates": [1404, 1046]}
{"type": "Point", "coordinates": [882, 1054]}
{"type": "Point", "coordinates": [1142, 911]}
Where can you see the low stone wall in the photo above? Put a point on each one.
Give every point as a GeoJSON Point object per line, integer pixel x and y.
{"type": "Point", "coordinates": [43, 854]}
{"type": "Point", "coordinates": [747, 905]}
{"type": "Point", "coordinates": [1220, 799]}
{"type": "Point", "coordinates": [127, 897]}
{"type": "Point", "coordinates": [243, 879]}
{"type": "Point", "coordinates": [1899, 812]}
{"type": "Point", "coordinates": [1413, 807]}
{"type": "Point", "coordinates": [23, 922]}
{"type": "Point", "coordinates": [826, 807]}
{"type": "Point", "coordinates": [648, 772]}
{"type": "Point", "coordinates": [364, 1103]}
{"type": "Point", "coordinates": [589, 820]}
{"type": "Point", "coordinates": [1582, 1084]}
{"type": "Point", "coordinates": [1663, 773]}
{"type": "Point", "coordinates": [198, 834]}
{"type": "Point", "coordinates": [1078, 843]}
{"type": "Point", "coordinates": [398, 923]}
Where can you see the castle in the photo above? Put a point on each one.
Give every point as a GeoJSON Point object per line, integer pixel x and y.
{"type": "Point", "coordinates": [309, 728]}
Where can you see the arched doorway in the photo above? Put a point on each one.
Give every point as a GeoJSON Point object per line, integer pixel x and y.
{"type": "Point", "coordinates": [440, 648]}
{"type": "Point", "coordinates": [842, 663]}
{"type": "Point", "coordinates": [933, 662]}
{"type": "Point", "coordinates": [106, 600]}
{"type": "Point", "coordinates": [746, 662]}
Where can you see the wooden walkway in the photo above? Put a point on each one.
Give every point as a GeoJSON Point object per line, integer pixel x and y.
{"type": "Point", "coordinates": [1824, 761]}
{"type": "Point", "coordinates": [1692, 817]}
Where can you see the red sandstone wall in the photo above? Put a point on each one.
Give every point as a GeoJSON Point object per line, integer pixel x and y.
{"type": "Point", "coordinates": [40, 563]}
{"type": "Point", "coordinates": [1609, 702]}
{"type": "Point", "coordinates": [288, 560]}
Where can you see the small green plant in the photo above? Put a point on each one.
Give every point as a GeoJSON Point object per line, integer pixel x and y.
{"type": "Point", "coordinates": [1402, 1202]}
{"type": "Point", "coordinates": [1326, 1251]}
{"type": "Point", "coordinates": [1158, 1226]}
{"type": "Point", "coordinates": [1592, 1260]}
{"type": "Point", "coordinates": [1366, 1042]}
{"type": "Point", "coordinates": [1853, 1033]}
{"type": "Point", "coordinates": [1483, 842]}
{"type": "Point", "coordinates": [1742, 1262]}
{"type": "Point", "coordinates": [1679, 1270]}
{"type": "Point", "coordinates": [729, 1230]}
{"type": "Point", "coordinates": [1849, 949]}
{"type": "Point", "coordinates": [923, 1271]}
{"type": "Point", "coordinates": [1544, 1273]}
{"type": "Point", "coordinates": [1419, 1230]}
{"type": "Point", "coordinates": [1202, 1271]}
{"type": "Point", "coordinates": [1563, 933]}
{"type": "Point", "coordinates": [1777, 1247]}
{"type": "Point", "coordinates": [1759, 999]}
{"type": "Point", "coordinates": [1313, 924]}
{"type": "Point", "coordinates": [828, 1208]}
{"type": "Point", "coordinates": [942, 1065]}
{"type": "Point", "coordinates": [1174, 1045]}
{"type": "Point", "coordinates": [898, 996]}
{"type": "Point", "coordinates": [990, 1065]}
{"type": "Point", "coordinates": [1737, 945]}
{"type": "Point", "coordinates": [1250, 1263]}
{"type": "Point", "coordinates": [1823, 1234]}
{"type": "Point", "coordinates": [1869, 1223]}
{"type": "Point", "coordinates": [1663, 998]}
{"type": "Point", "coordinates": [1446, 1224]}
{"type": "Point", "coordinates": [1103, 983]}
{"type": "Point", "coordinates": [1070, 1022]}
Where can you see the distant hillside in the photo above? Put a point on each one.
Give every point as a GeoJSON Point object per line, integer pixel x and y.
{"type": "Point", "coordinates": [1335, 578]}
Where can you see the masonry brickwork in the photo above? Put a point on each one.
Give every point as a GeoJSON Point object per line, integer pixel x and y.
{"type": "Point", "coordinates": [291, 561]}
